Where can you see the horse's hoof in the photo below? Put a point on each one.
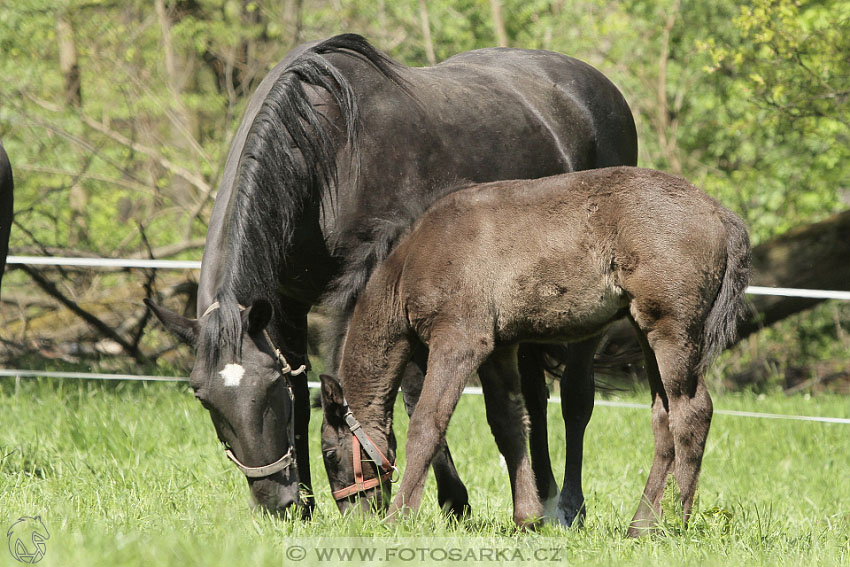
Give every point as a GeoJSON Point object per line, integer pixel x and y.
{"type": "Point", "coordinates": [307, 511]}
{"type": "Point", "coordinates": [456, 505]}
{"type": "Point", "coordinates": [569, 515]}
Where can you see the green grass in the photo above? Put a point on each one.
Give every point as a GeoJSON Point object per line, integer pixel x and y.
{"type": "Point", "coordinates": [131, 474]}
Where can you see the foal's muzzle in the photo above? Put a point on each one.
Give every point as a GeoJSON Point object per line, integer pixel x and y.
{"type": "Point", "coordinates": [387, 471]}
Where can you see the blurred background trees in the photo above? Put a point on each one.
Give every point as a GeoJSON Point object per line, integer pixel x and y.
{"type": "Point", "coordinates": [117, 117]}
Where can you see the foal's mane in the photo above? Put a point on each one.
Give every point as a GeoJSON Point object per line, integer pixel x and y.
{"type": "Point", "coordinates": [288, 162]}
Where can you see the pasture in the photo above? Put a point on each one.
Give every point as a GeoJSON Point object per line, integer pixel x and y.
{"type": "Point", "coordinates": [131, 474]}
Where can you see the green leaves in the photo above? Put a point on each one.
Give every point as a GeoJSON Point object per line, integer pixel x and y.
{"type": "Point", "coordinates": [747, 99]}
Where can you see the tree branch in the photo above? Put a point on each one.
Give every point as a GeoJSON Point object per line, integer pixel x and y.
{"type": "Point", "coordinates": [92, 320]}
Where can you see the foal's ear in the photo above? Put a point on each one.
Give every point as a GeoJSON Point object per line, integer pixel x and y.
{"type": "Point", "coordinates": [186, 330]}
{"type": "Point", "coordinates": [333, 401]}
{"type": "Point", "coordinates": [259, 315]}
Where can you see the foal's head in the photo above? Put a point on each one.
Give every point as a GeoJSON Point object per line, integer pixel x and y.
{"type": "Point", "coordinates": [371, 491]}
{"type": "Point", "coordinates": [242, 379]}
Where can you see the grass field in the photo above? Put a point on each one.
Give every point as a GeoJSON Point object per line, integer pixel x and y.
{"type": "Point", "coordinates": [131, 474]}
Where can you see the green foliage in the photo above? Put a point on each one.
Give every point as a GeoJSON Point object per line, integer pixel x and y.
{"type": "Point", "coordinates": [749, 100]}
{"type": "Point", "coordinates": [785, 77]}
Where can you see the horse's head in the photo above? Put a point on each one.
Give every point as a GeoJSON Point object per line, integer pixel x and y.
{"type": "Point", "coordinates": [242, 378]}
{"type": "Point", "coordinates": [365, 476]}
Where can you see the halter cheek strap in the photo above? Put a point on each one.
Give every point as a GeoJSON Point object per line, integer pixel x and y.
{"type": "Point", "coordinates": [287, 372]}
{"type": "Point", "coordinates": [360, 440]}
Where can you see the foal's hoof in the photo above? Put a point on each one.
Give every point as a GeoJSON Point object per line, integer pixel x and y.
{"type": "Point", "coordinates": [529, 523]}
{"type": "Point", "coordinates": [642, 528]}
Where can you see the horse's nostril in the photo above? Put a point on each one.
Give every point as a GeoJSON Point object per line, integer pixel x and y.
{"type": "Point", "coordinates": [201, 396]}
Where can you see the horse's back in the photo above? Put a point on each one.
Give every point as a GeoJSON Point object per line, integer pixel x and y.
{"type": "Point", "coordinates": [481, 116]}
{"type": "Point", "coordinates": [570, 84]}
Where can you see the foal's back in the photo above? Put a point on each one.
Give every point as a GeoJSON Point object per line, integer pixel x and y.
{"type": "Point", "coordinates": [560, 257]}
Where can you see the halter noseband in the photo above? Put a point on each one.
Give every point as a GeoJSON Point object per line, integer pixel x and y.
{"type": "Point", "coordinates": [361, 439]}
{"type": "Point", "coordinates": [286, 371]}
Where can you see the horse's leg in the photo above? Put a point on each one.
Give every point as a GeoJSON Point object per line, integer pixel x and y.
{"type": "Point", "coordinates": [689, 405]}
{"type": "Point", "coordinates": [577, 392]}
{"type": "Point", "coordinates": [301, 393]}
{"type": "Point", "coordinates": [451, 493]}
{"type": "Point", "coordinates": [296, 338]}
{"type": "Point", "coordinates": [500, 382]}
{"type": "Point", "coordinates": [454, 355]}
{"type": "Point", "coordinates": [536, 395]}
{"type": "Point", "coordinates": [649, 509]}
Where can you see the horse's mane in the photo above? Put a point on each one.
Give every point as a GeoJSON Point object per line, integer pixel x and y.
{"type": "Point", "coordinates": [376, 238]}
{"type": "Point", "coordinates": [287, 162]}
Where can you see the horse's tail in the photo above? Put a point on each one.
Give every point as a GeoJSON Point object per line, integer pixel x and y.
{"type": "Point", "coordinates": [729, 306]}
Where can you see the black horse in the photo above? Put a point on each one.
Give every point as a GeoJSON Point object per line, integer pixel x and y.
{"type": "Point", "coordinates": [6, 204]}
{"type": "Point", "coordinates": [339, 148]}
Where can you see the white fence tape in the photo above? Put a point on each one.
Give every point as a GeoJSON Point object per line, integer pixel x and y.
{"type": "Point", "coordinates": [795, 292]}
{"type": "Point", "coordinates": [88, 376]}
{"type": "Point", "coordinates": [471, 390]}
{"type": "Point", "coordinates": [196, 265]}
{"type": "Point", "coordinates": [104, 262]}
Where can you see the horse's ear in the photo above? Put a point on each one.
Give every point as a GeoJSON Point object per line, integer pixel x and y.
{"type": "Point", "coordinates": [185, 329]}
{"type": "Point", "coordinates": [333, 402]}
{"type": "Point", "coordinates": [259, 315]}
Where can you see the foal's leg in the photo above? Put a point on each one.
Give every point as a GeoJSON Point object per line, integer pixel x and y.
{"type": "Point", "coordinates": [649, 509]}
{"type": "Point", "coordinates": [506, 415]}
{"type": "Point", "coordinates": [451, 493]}
{"type": "Point", "coordinates": [689, 405]}
{"type": "Point", "coordinates": [536, 395]}
{"type": "Point", "coordinates": [577, 391]}
{"type": "Point", "coordinates": [454, 355]}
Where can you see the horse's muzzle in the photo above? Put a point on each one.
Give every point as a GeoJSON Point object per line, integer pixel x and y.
{"type": "Point", "coordinates": [275, 497]}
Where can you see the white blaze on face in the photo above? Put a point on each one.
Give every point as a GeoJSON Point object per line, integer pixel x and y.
{"type": "Point", "coordinates": [232, 374]}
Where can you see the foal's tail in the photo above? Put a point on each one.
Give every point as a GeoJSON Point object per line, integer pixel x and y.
{"type": "Point", "coordinates": [729, 305]}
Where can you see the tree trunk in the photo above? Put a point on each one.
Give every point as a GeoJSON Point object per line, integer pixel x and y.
{"type": "Point", "coordinates": [292, 20]}
{"type": "Point", "coordinates": [426, 33]}
{"type": "Point", "coordinates": [499, 23]}
{"type": "Point", "coordinates": [813, 256]}
{"type": "Point", "coordinates": [69, 66]}
{"type": "Point", "coordinates": [68, 62]}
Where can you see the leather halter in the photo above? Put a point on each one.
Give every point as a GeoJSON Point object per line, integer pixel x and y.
{"type": "Point", "coordinates": [288, 459]}
{"type": "Point", "coordinates": [361, 439]}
